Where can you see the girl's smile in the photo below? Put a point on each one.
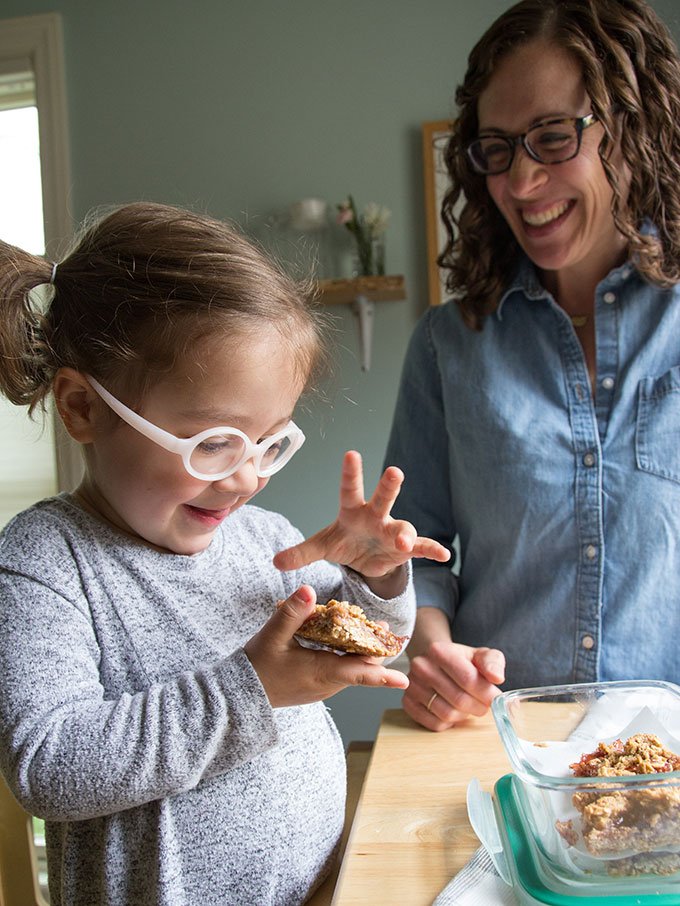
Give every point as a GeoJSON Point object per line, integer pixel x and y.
{"type": "Point", "coordinates": [209, 517]}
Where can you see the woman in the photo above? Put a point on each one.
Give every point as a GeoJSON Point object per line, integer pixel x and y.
{"type": "Point", "coordinates": [548, 389]}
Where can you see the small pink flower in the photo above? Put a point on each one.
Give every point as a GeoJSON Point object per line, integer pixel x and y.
{"type": "Point", "coordinates": [344, 215]}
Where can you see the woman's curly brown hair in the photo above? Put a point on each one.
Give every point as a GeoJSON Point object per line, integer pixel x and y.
{"type": "Point", "coordinates": [631, 72]}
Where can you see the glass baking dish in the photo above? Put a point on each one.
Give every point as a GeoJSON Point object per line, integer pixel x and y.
{"type": "Point", "coordinates": [611, 835]}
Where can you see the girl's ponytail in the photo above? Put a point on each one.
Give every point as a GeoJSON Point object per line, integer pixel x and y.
{"type": "Point", "coordinates": [26, 363]}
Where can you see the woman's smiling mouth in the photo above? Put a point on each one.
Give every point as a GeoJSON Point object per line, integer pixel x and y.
{"type": "Point", "coordinates": [547, 216]}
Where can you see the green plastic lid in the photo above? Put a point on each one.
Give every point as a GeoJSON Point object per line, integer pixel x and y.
{"type": "Point", "coordinates": [527, 882]}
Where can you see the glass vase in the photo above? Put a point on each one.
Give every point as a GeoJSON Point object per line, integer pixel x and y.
{"type": "Point", "coordinates": [369, 258]}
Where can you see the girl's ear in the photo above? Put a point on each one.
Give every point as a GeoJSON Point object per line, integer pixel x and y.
{"type": "Point", "coordinates": [74, 397]}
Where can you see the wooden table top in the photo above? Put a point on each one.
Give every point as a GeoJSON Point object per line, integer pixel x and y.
{"type": "Point", "coordinates": [411, 832]}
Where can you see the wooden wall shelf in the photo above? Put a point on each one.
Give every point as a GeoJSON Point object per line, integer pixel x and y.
{"type": "Point", "coordinates": [377, 289]}
{"type": "Point", "coordinates": [362, 293]}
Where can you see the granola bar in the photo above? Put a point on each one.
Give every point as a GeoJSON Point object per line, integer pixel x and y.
{"type": "Point", "coordinates": [345, 627]}
{"type": "Point", "coordinates": [646, 821]}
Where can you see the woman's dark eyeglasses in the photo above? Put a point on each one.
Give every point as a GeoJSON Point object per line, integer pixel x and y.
{"type": "Point", "coordinates": [551, 142]}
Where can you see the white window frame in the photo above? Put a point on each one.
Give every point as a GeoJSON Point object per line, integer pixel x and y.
{"type": "Point", "coordinates": [39, 39]}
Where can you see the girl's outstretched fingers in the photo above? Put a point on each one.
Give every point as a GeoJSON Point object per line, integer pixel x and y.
{"type": "Point", "coordinates": [352, 480]}
{"type": "Point", "coordinates": [386, 491]}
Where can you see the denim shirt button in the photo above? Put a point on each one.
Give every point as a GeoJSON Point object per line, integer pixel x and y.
{"type": "Point", "coordinates": [589, 459]}
{"type": "Point", "coordinates": [588, 642]}
{"type": "Point", "coordinates": [591, 552]}
{"type": "Point", "coordinates": [609, 298]}
{"type": "Point", "coordinates": [608, 383]}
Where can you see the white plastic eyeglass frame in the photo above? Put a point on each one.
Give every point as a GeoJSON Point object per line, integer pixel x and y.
{"type": "Point", "coordinates": [184, 447]}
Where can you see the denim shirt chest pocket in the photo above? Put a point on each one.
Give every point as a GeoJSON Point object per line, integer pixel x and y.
{"type": "Point", "coordinates": [657, 436]}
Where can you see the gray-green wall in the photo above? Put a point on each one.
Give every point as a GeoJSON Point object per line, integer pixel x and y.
{"type": "Point", "coordinates": [241, 107]}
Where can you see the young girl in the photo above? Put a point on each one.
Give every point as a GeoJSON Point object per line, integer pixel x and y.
{"type": "Point", "coordinates": [155, 708]}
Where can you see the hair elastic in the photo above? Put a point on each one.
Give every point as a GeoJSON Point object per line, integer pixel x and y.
{"type": "Point", "coordinates": [54, 273]}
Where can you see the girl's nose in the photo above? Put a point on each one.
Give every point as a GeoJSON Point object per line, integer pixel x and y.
{"type": "Point", "coordinates": [244, 481]}
{"type": "Point", "coordinates": [525, 174]}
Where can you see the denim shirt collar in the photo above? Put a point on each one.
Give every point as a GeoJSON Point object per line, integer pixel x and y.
{"type": "Point", "coordinates": [525, 281]}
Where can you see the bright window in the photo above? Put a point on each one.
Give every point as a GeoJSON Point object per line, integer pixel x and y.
{"type": "Point", "coordinates": [21, 212]}
{"type": "Point", "coordinates": [27, 452]}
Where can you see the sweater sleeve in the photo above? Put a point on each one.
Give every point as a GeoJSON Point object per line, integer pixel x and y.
{"type": "Point", "coordinates": [69, 753]}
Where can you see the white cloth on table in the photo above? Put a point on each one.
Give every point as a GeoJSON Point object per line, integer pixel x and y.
{"type": "Point", "coordinates": [477, 884]}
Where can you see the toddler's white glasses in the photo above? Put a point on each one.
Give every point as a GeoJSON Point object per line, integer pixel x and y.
{"type": "Point", "coordinates": [215, 453]}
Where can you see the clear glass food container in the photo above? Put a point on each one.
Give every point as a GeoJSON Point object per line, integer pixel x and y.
{"type": "Point", "coordinates": [613, 836]}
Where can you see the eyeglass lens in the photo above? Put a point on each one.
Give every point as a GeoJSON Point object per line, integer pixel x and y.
{"type": "Point", "coordinates": [548, 143]}
{"type": "Point", "coordinates": [222, 452]}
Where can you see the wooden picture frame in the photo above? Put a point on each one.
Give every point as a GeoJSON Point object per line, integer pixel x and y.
{"type": "Point", "coordinates": [435, 135]}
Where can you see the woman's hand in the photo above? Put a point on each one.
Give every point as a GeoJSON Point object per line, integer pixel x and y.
{"type": "Point", "coordinates": [364, 536]}
{"type": "Point", "coordinates": [449, 683]}
{"type": "Point", "coordinates": [293, 675]}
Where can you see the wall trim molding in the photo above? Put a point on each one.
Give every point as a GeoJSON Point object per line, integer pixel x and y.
{"type": "Point", "coordinates": [39, 39]}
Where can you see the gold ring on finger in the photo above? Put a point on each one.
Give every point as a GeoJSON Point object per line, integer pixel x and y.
{"type": "Point", "coordinates": [428, 706]}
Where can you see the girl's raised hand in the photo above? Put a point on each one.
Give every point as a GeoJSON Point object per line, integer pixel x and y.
{"type": "Point", "coordinates": [364, 536]}
{"type": "Point", "coordinates": [293, 675]}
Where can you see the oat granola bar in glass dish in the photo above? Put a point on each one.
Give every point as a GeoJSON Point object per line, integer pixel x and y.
{"type": "Point", "coordinates": [594, 792]}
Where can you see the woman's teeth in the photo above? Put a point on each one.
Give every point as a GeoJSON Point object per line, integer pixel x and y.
{"type": "Point", "coordinates": [540, 218]}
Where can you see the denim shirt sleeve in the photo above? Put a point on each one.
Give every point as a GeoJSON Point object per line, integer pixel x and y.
{"type": "Point", "coordinates": [418, 445]}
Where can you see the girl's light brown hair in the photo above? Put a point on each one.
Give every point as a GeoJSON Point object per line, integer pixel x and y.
{"type": "Point", "coordinates": [141, 286]}
{"type": "Point", "coordinates": [631, 72]}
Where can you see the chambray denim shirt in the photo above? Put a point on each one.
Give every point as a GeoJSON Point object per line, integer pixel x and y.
{"type": "Point", "coordinates": [565, 503]}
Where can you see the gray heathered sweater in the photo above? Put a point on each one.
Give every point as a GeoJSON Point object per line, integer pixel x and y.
{"type": "Point", "coordinates": [132, 720]}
